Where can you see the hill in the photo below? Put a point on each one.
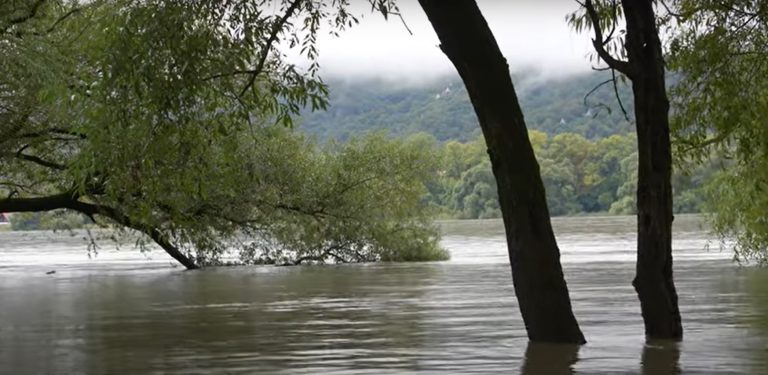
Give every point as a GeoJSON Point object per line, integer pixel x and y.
{"type": "Point", "coordinates": [442, 108]}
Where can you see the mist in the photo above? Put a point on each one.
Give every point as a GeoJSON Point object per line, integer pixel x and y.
{"type": "Point", "coordinates": [532, 35]}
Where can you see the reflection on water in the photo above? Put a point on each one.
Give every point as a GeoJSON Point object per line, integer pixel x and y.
{"type": "Point", "coordinates": [124, 313]}
{"type": "Point", "coordinates": [549, 359]}
{"type": "Point", "coordinates": [661, 358]}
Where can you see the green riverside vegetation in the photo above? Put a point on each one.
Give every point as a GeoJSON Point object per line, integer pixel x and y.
{"type": "Point", "coordinates": [152, 117]}
{"type": "Point", "coordinates": [585, 146]}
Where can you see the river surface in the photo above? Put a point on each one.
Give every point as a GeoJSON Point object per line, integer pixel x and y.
{"type": "Point", "coordinates": [121, 312]}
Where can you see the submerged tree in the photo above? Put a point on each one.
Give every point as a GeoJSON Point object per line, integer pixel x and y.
{"type": "Point", "coordinates": [636, 53]}
{"type": "Point", "coordinates": [533, 253]}
{"type": "Point", "coordinates": [167, 117]}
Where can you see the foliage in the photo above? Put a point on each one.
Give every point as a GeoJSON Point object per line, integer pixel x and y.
{"type": "Point", "coordinates": [720, 50]}
{"type": "Point", "coordinates": [579, 175]}
{"type": "Point", "coordinates": [168, 117]}
{"type": "Point", "coordinates": [361, 201]}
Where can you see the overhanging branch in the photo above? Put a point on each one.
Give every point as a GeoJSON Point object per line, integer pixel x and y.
{"type": "Point", "coordinates": [70, 201]}
{"type": "Point", "coordinates": [39, 204]}
{"type": "Point", "coordinates": [36, 160]}
{"type": "Point", "coordinates": [599, 42]}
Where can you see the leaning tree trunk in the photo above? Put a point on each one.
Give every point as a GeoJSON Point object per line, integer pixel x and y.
{"type": "Point", "coordinates": [653, 280]}
{"type": "Point", "coordinates": [71, 201]}
{"type": "Point", "coordinates": [533, 253]}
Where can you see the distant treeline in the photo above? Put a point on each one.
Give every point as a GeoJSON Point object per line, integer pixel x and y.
{"type": "Point", "coordinates": [580, 176]}
{"type": "Point", "coordinates": [48, 220]}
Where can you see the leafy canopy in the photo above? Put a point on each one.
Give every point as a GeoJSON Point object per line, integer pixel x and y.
{"type": "Point", "coordinates": [169, 117]}
{"type": "Point", "coordinates": [720, 50]}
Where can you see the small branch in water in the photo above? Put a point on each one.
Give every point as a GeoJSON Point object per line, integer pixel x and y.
{"type": "Point", "coordinates": [329, 252]}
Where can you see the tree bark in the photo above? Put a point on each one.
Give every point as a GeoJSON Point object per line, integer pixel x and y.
{"type": "Point", "coordinates": [70, 201]}
{"type": "Point", "coordinates": [654, 279]}
{"type": "Point", "coordinates": [538, 279]}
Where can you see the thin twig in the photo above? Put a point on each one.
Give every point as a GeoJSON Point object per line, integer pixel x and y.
{"type": "Point", "coordinates": [618, 98]}
{"type": "Point", "coordinates": [62, 18]}
{"type": "Point", "coordinates": [270, 41]}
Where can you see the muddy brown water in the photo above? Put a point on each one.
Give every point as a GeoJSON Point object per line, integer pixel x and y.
{"type": "Point", "coordinates": [122, 312]}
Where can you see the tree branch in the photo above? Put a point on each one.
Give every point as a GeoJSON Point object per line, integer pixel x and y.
{"type": "Point", "coordinates": [618, 98]}
{"type": "Point", "coordinates": [329, 251]}
{"type": "Point", "coordinates": [154, 233]}
{"type": "Point", "coordinates": [676, 15]}
{"type": "Point", "coordinates": [230, 74]}
{"type": "Point", "coordinates": [597, 87]}
{"type": "Point", "coordinates": [63, 17]}
{"type": "Point", "coordinates": [70, 200]}
{"type": "Point", "coordinates": [270, 41]}
{"type": "Point", "coordinates": [389, 8]}
{"type": "Point", "coordinates": [58, 131]}
{"type": "Point", "coordinates": [694, 145]}
{"type": "Point", "coordinates": [36, 160]}
{"type": "Point", "coordinates": [599, 42]}
{"type": "Point", "coordinates": [38, 204]}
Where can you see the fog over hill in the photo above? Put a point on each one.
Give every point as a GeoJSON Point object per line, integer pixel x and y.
{"type": "Point", "coordinates": [384, 75]}
{"type": "Point", "coordinates": [441, 107]}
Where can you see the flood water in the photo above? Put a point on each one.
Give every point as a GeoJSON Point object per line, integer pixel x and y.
{"type": "Point", "coordinates": [126, 313]}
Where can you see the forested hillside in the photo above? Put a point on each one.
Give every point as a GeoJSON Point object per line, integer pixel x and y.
{"type": "Point", "coordinates": [442, 109]}
{"type": "Point", "coordinates": [586, 148]}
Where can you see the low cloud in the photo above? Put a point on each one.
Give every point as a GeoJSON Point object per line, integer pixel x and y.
{"type": "Point", "coordinates": [533, 35]}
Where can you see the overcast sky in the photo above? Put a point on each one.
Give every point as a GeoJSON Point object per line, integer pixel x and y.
{"type": "Point", "coordinates": [531, 34]}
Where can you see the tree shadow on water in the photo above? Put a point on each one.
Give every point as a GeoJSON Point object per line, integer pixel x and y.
{"type": "Point", "coordinates": [549, 359]}
{"type": "Point", "coordinates": [660, 358]}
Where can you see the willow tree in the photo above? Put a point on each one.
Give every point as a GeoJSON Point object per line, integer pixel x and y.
{"type": "Point", "coordinates": [720, 50]}
{"type": "Point", "coordinates": [168, 118]}
{"type": "Point", "coordinates": [635, 52]}
{"type": "Point", "coordinates": [538, 278]}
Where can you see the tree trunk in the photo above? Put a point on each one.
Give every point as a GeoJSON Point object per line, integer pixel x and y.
{"type": "Point", "coordinates": [653, 280]}
{"type": "Point", "coordinates": [533, 253]}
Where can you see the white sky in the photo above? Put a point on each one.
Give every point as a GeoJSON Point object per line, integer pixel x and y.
{"type": "Point", "coordinates": [531, 34]}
